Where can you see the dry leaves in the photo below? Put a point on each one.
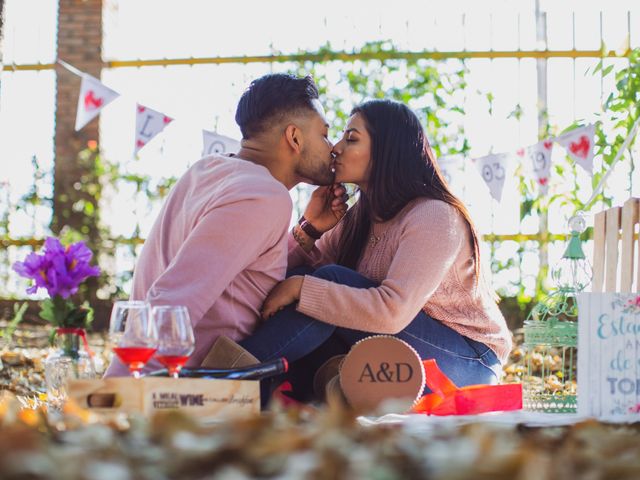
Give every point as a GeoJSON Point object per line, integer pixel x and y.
{"type": "Point", "coordinates": [326, 445]}
{"type": "Point", "coordinates": [284, 444]}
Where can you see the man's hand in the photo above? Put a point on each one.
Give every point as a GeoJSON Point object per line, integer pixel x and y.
{"type": "Point", "coordinates": [283, 294]}
{"type": "Point", "coordinates": [327, 206]}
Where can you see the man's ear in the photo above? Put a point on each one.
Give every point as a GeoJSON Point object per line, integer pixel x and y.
{"type": "Point", "coordinates": [293, 136]}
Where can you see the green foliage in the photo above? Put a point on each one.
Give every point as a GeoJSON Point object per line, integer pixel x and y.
{"type": "Point", "coordinates": [619, 112]}
{"type": "Point", "coordinates": [18, 315]}
{"type": "Point", "coordinates": [62, 313]}
{"type": "Point", "coordinates": [434, 90]}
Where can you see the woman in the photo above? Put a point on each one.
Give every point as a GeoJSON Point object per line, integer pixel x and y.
{"type": "Point", "coordinates": [403, 261]}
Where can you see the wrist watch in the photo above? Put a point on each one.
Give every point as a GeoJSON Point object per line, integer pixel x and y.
{"type": "Point", "coordinates": [309, 229]}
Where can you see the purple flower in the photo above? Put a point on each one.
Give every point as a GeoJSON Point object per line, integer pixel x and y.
{"type": "Point", "coordinates": [75, 268]}
{"type": "Point", "coordinates": [58, 269]}
{"type": "Point", "coordinates": [34, 267]}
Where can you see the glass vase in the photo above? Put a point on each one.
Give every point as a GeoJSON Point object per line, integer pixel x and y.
{"type": "Point", "coordinates": [67, 360]}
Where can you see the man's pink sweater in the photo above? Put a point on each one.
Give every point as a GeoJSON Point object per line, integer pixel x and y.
{"type": "Point", "coordinates": [218, 246]}
{"type": "Point", "coordinates": [423, 260]}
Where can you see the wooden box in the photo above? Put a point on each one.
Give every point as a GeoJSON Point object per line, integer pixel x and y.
{"type": "Point", "coordinates": [204, 399]}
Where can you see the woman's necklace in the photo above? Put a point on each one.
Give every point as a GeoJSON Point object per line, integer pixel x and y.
{"type": "Point", "coordinates": [373, 238]}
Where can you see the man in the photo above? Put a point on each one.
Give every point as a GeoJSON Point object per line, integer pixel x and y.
{"type": "Point", "coordinates": [219, 244]}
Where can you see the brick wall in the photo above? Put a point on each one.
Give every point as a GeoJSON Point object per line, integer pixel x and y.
{"type": "Point", "coordinates": [80, 44]}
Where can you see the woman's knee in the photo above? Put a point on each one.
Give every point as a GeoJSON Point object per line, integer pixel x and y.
{"type": "Point", "coordinates": [343, 276]}
{"type": "Point", "coordinates": [331, 272]}
{"type": "Point", "coordinates": [300, 270]}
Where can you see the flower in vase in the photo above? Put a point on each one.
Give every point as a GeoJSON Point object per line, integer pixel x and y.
{"type": "Point", "coordinates": [60, 270]}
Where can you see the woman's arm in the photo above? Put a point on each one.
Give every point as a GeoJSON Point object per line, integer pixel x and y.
{"type": "Point", "coordinates": [430, 239]}
{"type": "Point", "coordinates": [322, 252]}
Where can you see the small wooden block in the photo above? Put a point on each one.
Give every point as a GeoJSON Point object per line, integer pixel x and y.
{"type": "Point", "coordinates": [202, 398]}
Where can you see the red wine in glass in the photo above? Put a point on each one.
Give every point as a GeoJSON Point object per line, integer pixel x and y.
{"type": "Point", "coordinates": [135, 357]}
{"type": "Point", "coordinates": [175, 336]}
{"type": "Point", "coordinates": [173, 363]}
{"type": "Point", "coordinates": [133, 334]}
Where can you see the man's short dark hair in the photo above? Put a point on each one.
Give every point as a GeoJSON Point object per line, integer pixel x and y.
{"type": "Point", "coordinates": [270, 98]}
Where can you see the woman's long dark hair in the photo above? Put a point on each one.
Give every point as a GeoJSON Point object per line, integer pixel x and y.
{"type": "Point", "coordinates": [402, 168]}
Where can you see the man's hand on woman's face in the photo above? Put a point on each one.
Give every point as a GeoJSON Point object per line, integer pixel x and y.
{"type": "Point", "coordinates": [283, 294]}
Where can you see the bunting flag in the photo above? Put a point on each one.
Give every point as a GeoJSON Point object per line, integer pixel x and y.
{"type": "Point", "coordinates": [149, 123]}
{"type": "Point", "coordinates": [540, 157]}
{"type": "Point", "coordinates": [579, 143]}
{"type": "Point", "coordinates": [94, 96]}
{"type": "Point", "coordinates": [493, 169]}
{"type": "Point", "coordinates": [213, 142]}
{"type": "Point", "coordinates": [450, 167]}
{"type": "Point", "coordinates": [579, 146]}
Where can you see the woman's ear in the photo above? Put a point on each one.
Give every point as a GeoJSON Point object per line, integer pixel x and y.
{"type": "Point", "coordinates": [293, 136]}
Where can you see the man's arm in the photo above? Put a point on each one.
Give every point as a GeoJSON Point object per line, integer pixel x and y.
{"type": "Point", "coordinates": [225, 241]}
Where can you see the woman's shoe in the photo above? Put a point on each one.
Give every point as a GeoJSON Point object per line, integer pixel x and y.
{"type": "Point", "coordinates": [327, 371]}
{"type": "Point", "coordinates": [334, 396]}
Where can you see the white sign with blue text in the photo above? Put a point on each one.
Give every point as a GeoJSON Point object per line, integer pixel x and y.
{"type": "Point", "coordinates": [609, 355]}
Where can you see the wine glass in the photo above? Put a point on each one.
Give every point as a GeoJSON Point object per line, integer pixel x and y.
{"type": "Point", "coordinates": [175, 336]}
{"type": "Point", "coordinates": [133, 334]}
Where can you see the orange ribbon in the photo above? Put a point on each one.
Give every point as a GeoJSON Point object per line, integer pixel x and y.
{"type": "Point", "coordinates": [449, 399]}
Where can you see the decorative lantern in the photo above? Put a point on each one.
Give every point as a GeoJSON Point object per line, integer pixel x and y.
{"type": "Point", "coordinates": [551, 332]}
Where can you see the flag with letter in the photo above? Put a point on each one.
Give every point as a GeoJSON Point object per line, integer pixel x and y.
{"type": "Point", "coordinates": [149, 123]}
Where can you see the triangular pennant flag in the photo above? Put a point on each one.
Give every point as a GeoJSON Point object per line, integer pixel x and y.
{"type": "Point", "coordinates": [214, 143]}
{"type": "Point", "coordinates": [149, 123]}
{"type": "Point", "coordinates": [539, 155]}
{"type": "Point", "coordinates": [450, 167]}
{"type": "Point", "coordinates": [579, 146]}
{"type": "Point", "coordinates": [94, 96]}
{"type": "Point", "coordinates": [493, 169]}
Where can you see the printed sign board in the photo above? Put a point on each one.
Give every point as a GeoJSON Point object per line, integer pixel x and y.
{"type": "Point", "coordinates": [609, 355]}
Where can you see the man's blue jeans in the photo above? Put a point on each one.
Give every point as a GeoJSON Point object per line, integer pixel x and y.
{"type": "Point", "coordinates": [306, 342]}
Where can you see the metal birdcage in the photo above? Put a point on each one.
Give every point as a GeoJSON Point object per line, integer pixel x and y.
{"type": "Point", "coordinates": [551, 339]}
{"type": "Point", "coordinates": [551, 333]}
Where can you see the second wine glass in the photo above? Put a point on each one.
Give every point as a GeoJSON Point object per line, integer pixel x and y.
{"type": "Point", "coordinates": [133, 334]}
{"type": "Point", "coordinates": [175, 336]}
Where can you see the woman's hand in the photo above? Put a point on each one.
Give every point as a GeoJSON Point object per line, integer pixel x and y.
{"type": "Point", "coordinates": [283, 294]}
{"type": "Point", "coordinates": [327, 206]}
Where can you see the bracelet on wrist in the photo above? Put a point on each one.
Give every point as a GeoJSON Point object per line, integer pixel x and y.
{"type": "Point", "coordinates": [305, 242]}
{"type": "Point", "coordinates": [309, 229]}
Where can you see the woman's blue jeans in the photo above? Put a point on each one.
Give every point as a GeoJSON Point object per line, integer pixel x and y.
{"type": "Point", "coordinates": [307, 343]}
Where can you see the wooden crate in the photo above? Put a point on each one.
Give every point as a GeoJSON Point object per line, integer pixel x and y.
{"type": "Point", "coordinates": [204, 399]}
